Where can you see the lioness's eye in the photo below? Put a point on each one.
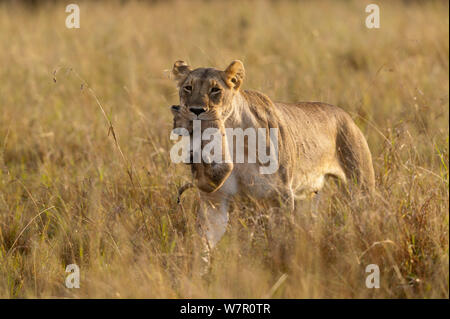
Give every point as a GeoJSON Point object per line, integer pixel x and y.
{"type": "Point", "coordinates": [188, 89]}
{"type": "Point", "coordinates": [215, 90]}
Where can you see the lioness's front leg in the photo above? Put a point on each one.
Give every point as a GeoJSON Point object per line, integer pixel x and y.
{"type": "Point", "coordinates": [212, 222]}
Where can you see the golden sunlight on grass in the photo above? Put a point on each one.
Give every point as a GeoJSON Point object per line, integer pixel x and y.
{"type": "Point", "coordinates": [68, 195]}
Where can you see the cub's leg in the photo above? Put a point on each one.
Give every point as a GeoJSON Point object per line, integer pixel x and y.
{"type": "Point", "coordinates": [315, 204]}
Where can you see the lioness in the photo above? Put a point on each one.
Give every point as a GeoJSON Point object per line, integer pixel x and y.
{"type": "Point", "coordinates": [315, 140]}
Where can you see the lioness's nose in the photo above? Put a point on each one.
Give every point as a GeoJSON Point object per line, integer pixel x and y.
{"type": "Point", "coordinates": [197, 110]}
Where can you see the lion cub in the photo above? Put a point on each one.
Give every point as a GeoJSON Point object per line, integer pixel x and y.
{"type": "Point", "coordinates": [209, 177]}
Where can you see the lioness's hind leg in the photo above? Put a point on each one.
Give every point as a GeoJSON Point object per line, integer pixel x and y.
{"type": "Point", "coordinates": [355, 157]}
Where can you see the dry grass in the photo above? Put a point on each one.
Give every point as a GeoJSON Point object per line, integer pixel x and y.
{"type": "Point", "coordinates": [65, 191]}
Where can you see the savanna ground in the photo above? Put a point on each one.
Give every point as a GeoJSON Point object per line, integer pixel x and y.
{"type": "Point", "coordinates": [67, 195]}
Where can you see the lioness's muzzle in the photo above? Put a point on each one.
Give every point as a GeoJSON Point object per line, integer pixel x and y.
{"type": "Point", "coordinates": [197, 110]}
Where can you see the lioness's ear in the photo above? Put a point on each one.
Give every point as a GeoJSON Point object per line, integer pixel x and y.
{"type": "Point", "coordinates": [180, 70]}
{"type": "Point", "coordinates": [175, 109]}
{"type": "Point", "coordinates": [234, 74]}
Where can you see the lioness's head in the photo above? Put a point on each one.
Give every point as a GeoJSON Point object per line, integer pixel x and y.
{"type": "Point", "coordinates": [206, 93]}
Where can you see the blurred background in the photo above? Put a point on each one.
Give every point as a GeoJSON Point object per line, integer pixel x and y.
{"type": "Point", "coordinates": [71, 193]}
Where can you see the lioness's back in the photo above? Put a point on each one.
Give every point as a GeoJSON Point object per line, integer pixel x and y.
{"type": "Point", "coordinates": [330, 121]}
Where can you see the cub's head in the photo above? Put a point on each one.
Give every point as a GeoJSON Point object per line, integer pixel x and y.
{"type": "Point", "coordinates": [207, 93]}
{"type": "Point", "coordinates": [179, 120]}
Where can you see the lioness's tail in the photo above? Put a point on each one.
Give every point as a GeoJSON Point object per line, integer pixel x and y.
{"type": "Point", "coordinates": [354, 155]}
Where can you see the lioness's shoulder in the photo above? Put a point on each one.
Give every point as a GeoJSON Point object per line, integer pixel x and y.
{"type": "Point", "coordinates": [256, 98]}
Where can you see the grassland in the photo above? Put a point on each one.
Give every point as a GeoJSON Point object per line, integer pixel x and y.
{"type": "Point", "coordinates": [67, 195]}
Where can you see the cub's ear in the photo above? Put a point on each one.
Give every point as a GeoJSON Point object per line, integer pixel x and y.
{"type": "Point", "coordinates": [234, 74]}
{"type": "Point", "coordinates": [180, 70]}
{"type": "Point", "coordinates": [175, 109]}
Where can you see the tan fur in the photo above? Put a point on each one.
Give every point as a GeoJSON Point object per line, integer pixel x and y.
{"type": "Point", "coordinates": [208, 176]}
{"type": "Point", "coordinates": [316, 140]}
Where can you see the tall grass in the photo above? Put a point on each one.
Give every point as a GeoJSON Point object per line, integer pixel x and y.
{"type": "Point", "coordinates": [67, 195]}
